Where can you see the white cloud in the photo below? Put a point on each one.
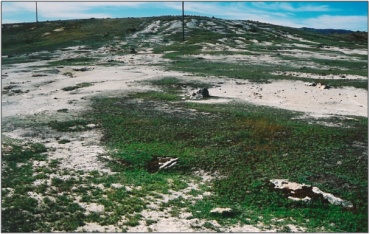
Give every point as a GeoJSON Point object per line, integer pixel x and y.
{"type": "Point", "coordinates": [284, 6]}
{"type": "Point", "coordinates": [73, 10]}
{"type": "Point", "coordinates": [337, 22]}
{"type": "Point", "coordinates": [234, 11]}
{"type": "Point", "coordinates": [283, 14]}
{"type": "Point", "coordinates": [66, 10]}
{"type": "Point", "coordinates": [196, 7]}
{"type": "Point", "coordinates": [9, 7]}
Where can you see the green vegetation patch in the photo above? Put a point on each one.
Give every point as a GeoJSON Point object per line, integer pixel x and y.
{"type": "Point", "coordinates": [248, 145]}
{"type": "Point", "coordinates": [158, 96]}
{"type": "Point", "coordinates": [89, 32]}
{"type": "Point", "coordinates": [173, 83]}
{"type": "Point", "coordinates": [172, 88]}
{"type": "Point", "coordinates": [26, 58]}
{"type": "Point", "coordinates": [70, 126]}
{"type": "Point", "coordinates": [73, 61]}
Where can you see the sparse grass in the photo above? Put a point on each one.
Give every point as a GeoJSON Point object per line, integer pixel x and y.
{"type": "Point", "coordinates": [262, 73]}
{"type": "Point", "coordinates": [26, 59]}
{"type": "Point", "coordinates": [22, 213]}
{"type": "Point", "coordinates": [69, 126]}
{"type": "Point", "coordinates": [64, 141]}
{"type": "Point", "coordinates": [69, 74]}
{"type": "Point", "coordinates": [64, 110]}
{"type": "Point", "coordinates": [158, 96]}
{"type": "Point", "coordinates": [171, 84]}
{"type": "Point", "coordinates": [78, 86]}
{"type": "Point", "coordinates": [90, 32]}
{"type": "Point", "coordinates": [259, 73]}
{"type": "Point", "coordinates": [73, 61]}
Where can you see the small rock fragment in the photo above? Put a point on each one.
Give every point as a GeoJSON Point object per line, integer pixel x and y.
{"type": "Point", "coordinates": [222, 211]}
{"type": "Point", "coordinates": [310, 84]}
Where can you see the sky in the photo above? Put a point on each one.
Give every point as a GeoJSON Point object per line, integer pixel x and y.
{"type": "Point", "coordinates": [350, 15]}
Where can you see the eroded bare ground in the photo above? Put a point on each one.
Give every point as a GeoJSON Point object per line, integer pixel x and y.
{"type": "Point", "coordinates": [33, 94]}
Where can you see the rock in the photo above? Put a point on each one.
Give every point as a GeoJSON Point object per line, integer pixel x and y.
{"type": "Point", "coordinates": [9, 87]}
{"type": "Point", "coordinates": [117, 186]}
{"type": "Point", "coordinates": [200, 94]}
{"type": "Point", "coordinates": [322, 86]}
{"type": "Point", "coordinates": [6, 148]}
{"type": "Point", "coordinates": [303, 192]}
{"type": "Point", "coordinates": [46, 34]}
{"type": "Point", "coordinates": [310, 84]}
{"type": "Point", "coordinates": [222, 211]}
{"type": "Point", "coordinates": [257, 95]}
{"type": "Point", "coordinates": [94, 208]}
{"type": "Point", "coordinates": [59, 29]}
{"type": "Point", "coordinates": [318, 85]}
{"type": "Point", "coordinates": [133, 51]}
{"type": "Point", "coordinates": [333, 199]}
{"type": "Point", "coordinates": [161, 163]}
{"type": "Point", "coordinates": [83, 69]}
{"type": "Point", "coordinates": [39, 75]}
{"type": "Point", "coordinates": [167, 164]}
{"type": "Point", "coordinates": [305, 199]}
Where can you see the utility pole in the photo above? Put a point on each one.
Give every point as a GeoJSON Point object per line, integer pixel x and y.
{"type": "Point", "coordinates": [183, 23]}
{"type": "Point", "coordinates": [37, 19]}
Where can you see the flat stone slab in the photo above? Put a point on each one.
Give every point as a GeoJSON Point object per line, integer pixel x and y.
{"type": "Point", "coordinates": [303, 192]}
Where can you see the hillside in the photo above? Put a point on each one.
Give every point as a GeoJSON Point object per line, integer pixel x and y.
{"type": "Point", "coordinates": [118, 125]}
{"type": "Point", "coordinates": [164, 34]}
{"type": "Point", "coordinates": [27, 37]}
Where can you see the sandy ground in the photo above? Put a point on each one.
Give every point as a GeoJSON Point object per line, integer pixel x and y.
{"type": "Point", "coordinates": [296, 96]}
{"type": "Point", "coordinates": [40, 95]}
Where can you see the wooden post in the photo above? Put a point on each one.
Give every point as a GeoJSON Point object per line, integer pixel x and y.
{"type": "Point", "coordinates": [183, 22]}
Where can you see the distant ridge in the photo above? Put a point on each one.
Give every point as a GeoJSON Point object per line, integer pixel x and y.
{"type": "Point", "coordinates": [328, 31]}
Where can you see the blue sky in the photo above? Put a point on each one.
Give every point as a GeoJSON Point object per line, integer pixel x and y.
{"type": "Point", "coordinates": [350, 15]}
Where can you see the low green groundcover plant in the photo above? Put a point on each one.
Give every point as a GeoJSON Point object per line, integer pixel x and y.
{"type": "Point", "coordinates": [248, 146]}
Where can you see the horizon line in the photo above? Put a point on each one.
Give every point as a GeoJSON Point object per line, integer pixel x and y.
{"type": "Point", "coordinates": [185, 15]}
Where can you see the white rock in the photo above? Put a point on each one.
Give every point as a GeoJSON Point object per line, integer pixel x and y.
{"type": "Point", "coordinates": [293, 186]}
{"type": "Point", "coordinates": [168, 164]}
{"type": "Point", "coordinates": [300, 199]}
{"type": "Point", "coordinates": [333, 199]}
{"type": "Point", "coordinates": [219, 210]}
{"type": "Point", "coordinates": [310, 84]}
{"type": "Point", "coordinates": [116, 186]}
{"type": "Point", "coordinates": [94, 207]}
{"type": "Point", "coordinates": [285, 184]}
